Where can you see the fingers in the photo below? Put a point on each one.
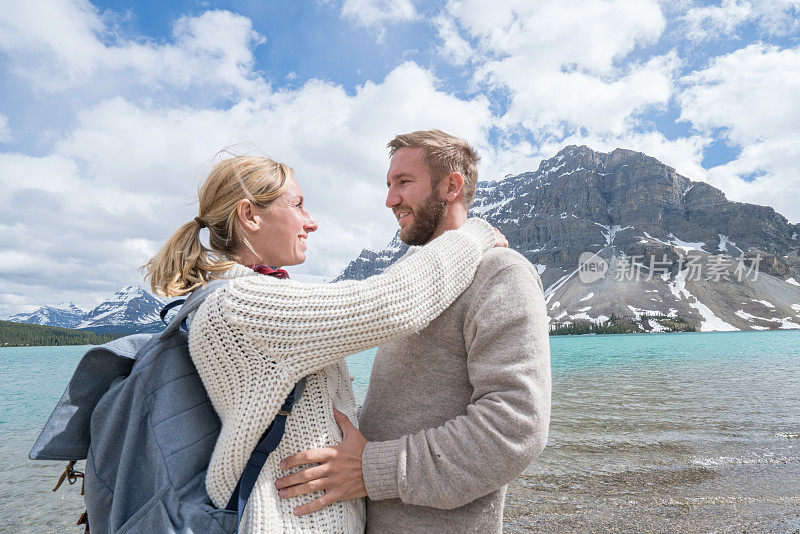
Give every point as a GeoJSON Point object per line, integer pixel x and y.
{"type": "Point", "coordinates": [300, 489]}
{"type": "Point", "coordinates": [304, 476]}
{"type": "Point", "coordinates": [313, 456]}
{"type": "Point", "coordinates": [499, 239]}
{"type": "Point", "coordinates": [316, 504]}
{"type": "Point", "coordinates": [343, 421]}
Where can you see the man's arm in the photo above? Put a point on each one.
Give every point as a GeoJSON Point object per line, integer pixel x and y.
{"type": "Point", "coordinates": [504, 429]}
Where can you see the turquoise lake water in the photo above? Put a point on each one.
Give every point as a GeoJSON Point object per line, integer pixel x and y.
{"type": "Point", "coordinates": [649, 432]}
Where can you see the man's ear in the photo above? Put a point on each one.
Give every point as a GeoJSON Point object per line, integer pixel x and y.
{"type": "Point", "coordinates": [454, 183]}
{"type": "Point", "coordinates": [246, 213]}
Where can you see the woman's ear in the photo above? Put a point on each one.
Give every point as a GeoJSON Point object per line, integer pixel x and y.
{"type": "Point", "coordinates": [248, 218]}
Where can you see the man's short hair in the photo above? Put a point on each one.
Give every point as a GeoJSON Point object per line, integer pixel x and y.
{"type": "Point", "coordinates": [443, 154]}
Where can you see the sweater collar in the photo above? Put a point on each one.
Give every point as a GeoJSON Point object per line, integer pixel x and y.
{"type": "Point", "coordinates": [269, 271]}
{"type": "Point", "coordinates": [238, 270]}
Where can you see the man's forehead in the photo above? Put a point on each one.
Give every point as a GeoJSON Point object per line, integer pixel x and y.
{"type": "Point", "coordinates": [406, 161]}
{"type": "Point", "coordinates": [408, 153]}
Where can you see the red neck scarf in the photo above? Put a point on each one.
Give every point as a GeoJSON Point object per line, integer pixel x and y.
{"type": "Point", "coordinates": [266, 269]}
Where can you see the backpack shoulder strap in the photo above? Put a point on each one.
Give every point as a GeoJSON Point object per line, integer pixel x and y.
{"type": "Point", "coordinates": [190, 304]}
{"type": "Point", "coordinates": [268, 443]}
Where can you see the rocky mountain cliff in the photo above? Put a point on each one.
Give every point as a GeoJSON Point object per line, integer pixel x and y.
{"type": "Point", "coordinates": [638, 216]}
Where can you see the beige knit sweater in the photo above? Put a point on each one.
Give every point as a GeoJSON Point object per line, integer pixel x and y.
{"type": "Point", "coordinates": [459, 409]}
{"type": "Point", "coordinates": [253, 339]}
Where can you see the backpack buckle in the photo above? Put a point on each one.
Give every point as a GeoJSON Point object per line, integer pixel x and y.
{"type": "Point", "coordinates": [70, 475]}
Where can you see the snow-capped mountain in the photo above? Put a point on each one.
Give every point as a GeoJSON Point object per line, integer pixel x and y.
{"type": "Point", "coordinates": [627, 203]}
{"type": "Point", "coordinates": [130, 310]}
{"type": "Point", "coordinates": [65, 315]}
{"type": "Point", "coordinates": [370, 262]}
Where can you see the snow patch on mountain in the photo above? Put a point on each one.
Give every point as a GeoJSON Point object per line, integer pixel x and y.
{"type": "Point", "coordinates": [724, 241]}
{"type": "Point", "coordinates": [131, 307]}
{"type": "Point", "coordinates": [490, 207]}
{"type": "Point", "coordinates": [64, 315]}
{"type": "Point", "coordinates": [571, 172]}
{"type": "Point", "coordinates": [710, 321]}
{"type": "Point", "coordinates": [765, 303]}
{"type": "Point", "coordinates": [611, 231]}
{"type": "Point", "coordinates": [553, 169]}
{"type": "Point", "coordinates": [686, 246]}
{"type": "Point", "coordinates": [550, 291]}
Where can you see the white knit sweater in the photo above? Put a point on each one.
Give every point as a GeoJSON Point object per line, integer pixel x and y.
{"type": "Point", "coordinates": [253, 339]}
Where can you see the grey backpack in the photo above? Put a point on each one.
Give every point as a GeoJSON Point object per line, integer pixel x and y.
{"type": "Point", "coordinates": [137, 411]}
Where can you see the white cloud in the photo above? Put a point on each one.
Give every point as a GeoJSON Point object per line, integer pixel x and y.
{"type": "Point", "coordinates": [751, 92]}
{"type": "Point", "coordinates": [752, 95]}
{"type": "Point", "coordinates": [71, 46]}
{"type": "Point", "coordinates": [65, 33]}
{"type": "Point", "coordinates": [5, 130]}
{"type": "Point", "coordinates": [710, 22]}
{"type": "Point", "coordinates": [773, 17]}
{"type": "Point", "coordinates": [378, 12]}
{"type": "Point", "coordinates": [560, 61]}
{"type": "Point", "coordinates": [14, 303]}
{"type": "Point", "coordinates": [778, 17]}
{"type": "Point", "coordinates": [590, 34]}
{"type": "Point", "coordinates": [683, 154]}
{"type": "Point", "coordinates": [125, 177]}
{"type": "Point", "coordinates": [96, 200]}
{"type": "Point", "coordinates": [454, 47]}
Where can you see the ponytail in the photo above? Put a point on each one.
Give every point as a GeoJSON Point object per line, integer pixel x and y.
{"type": "Point", "coordinates": [184, 264]}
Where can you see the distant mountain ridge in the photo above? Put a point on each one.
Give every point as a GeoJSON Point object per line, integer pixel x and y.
{"type": "Point", "coordinates": [64, 315]}
{"type": "Point", "coordinates": [626, 202]}
{"type": "Point", "coordinates": [130, 310]}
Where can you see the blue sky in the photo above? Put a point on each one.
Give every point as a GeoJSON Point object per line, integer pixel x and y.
{"type": "Point", "coordinates": [111, 113]}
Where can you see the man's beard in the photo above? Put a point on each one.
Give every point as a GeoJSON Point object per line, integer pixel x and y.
{"type": "Point", "coordinates": [427, 217]}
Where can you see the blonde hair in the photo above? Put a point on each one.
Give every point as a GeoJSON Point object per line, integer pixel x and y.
{"type": "Point", "coordinates": [183, 264]}
{"type": "Point", "coordinates": [443, 153]}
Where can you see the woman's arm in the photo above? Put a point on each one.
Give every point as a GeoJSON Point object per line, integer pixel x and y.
{"type": "Point", "coordinates": [311, 325]}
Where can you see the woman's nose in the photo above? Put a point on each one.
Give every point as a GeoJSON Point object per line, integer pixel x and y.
{"type": "Point", "coordinates": [310, 224]}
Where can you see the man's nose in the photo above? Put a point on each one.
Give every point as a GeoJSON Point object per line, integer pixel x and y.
{"type": "Point", "coordinates": [310, 224]}
{"type": "Point", "coordinates": [392, 198]}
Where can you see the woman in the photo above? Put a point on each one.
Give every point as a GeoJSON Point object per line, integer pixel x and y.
{"type": "Point", "coordinates": [254, 338]}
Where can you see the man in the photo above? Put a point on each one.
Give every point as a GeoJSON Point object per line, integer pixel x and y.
{"type": "Point", "coordinates": [456, 411]}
